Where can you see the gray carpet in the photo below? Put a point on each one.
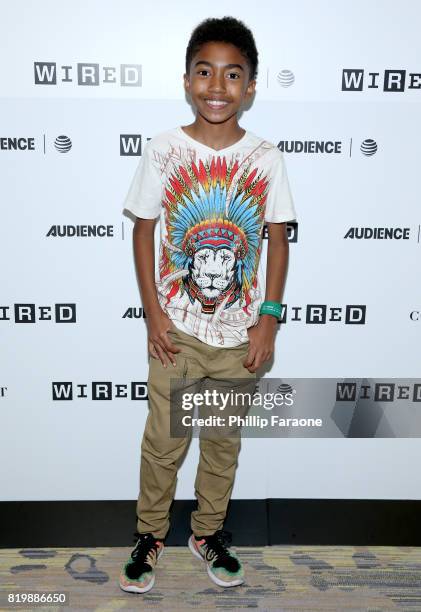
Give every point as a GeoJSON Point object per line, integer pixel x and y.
{"type": "Point", "coordinates": [277, 578]}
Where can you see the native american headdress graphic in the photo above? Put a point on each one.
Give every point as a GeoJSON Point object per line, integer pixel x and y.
{"type": "Point", "coordinates": [206, 206]}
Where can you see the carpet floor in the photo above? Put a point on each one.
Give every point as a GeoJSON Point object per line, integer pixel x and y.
{"type": "Point", "coordinates": [282, 578]}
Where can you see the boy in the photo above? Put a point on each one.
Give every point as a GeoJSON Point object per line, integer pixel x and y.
{"type": "Point", "coordinates": [213, 184]}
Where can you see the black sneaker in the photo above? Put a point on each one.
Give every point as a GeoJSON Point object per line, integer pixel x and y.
{"type": "Point", "coordinates": [223, 565]}
{"type": "Point", "coordinates": [138, 573]}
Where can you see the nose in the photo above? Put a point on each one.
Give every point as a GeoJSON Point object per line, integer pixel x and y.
{"type": "Point", "coordinates": [217, 81]}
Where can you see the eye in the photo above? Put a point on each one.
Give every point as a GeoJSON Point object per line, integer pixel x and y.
{"type": "Point", "coordinates": [203, 72]}
{"type": "Point", "coordinates": [233, 75]}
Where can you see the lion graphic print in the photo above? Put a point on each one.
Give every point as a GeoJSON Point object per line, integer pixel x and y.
{"type": "Point", "coordinates": [212, 207]}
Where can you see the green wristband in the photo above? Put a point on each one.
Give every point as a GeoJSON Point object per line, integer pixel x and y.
{"type": "Point", "coordinates": [271, 308]}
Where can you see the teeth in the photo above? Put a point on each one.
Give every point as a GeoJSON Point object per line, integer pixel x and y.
{"type": "Point", "coordinates": [216, 103]}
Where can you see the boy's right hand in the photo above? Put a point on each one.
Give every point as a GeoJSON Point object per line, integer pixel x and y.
{"type": "Point", "coordinates": [160, 346]}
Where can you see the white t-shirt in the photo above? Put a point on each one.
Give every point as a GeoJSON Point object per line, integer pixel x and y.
{"type": "Point", "coordinates": [212, 207]}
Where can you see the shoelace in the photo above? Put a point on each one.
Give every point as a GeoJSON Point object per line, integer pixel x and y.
{"type": "Point", "coordinates": [217, 546]}
{"type": "Point", "coordinates": [145, 544]}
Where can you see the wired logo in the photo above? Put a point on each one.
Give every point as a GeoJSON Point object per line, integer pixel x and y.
{"type": "Point", "coordinates": [131, 144]}
{"type": "Point", "coordinates": [96, 390]}
{"type": "Point", "coordinates": [391, 81]}
{"type": "Point", "coordinates": [87, 74]}
{"type": "Point", "coordinates": [385, 391]}
{"type": "Point", "coordinates": [33, 313]}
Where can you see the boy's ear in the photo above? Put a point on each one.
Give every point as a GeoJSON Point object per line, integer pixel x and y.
{"type": "Point", "coordinates": [251, 88]}
{"type": "Point", "coordinates": [186, 83]}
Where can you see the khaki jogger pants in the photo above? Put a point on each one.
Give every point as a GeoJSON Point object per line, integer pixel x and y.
{"type": "Point", "coordinates": [162, 455]}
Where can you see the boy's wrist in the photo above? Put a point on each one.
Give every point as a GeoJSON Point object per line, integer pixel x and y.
{"type": "Point", "coordinates": [268, 319]}
{"type": "Point", "coordinates": [152, 308]}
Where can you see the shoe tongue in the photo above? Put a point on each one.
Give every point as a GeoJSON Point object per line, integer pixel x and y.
{"type": "Point", "coordinates": [224, 537]}
{"type": "Point", "coordinates": [147, 538]}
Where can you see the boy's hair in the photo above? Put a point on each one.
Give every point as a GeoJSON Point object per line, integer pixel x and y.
{"type": "Point", "coordinates": [227, 30]}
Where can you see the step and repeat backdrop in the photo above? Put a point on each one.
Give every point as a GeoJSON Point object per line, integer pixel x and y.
{"type": "Point", "coordinates": [83, 86]}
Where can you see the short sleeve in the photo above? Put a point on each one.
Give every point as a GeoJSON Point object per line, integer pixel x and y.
{"type": "Point", "coordinates": [279, 203]}
{"type": "Point", "coordinates": [144, 195]}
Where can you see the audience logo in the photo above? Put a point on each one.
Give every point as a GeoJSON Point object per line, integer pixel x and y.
{"type": "Point", "coordinates": [310, 146]}
{"type": "Point", "coordinates": [378, 233]}
{"type": "Point", "coordinates": [81, 231]}
{"type": "Point", "coordinates": [134, 313]}
{"type": "Point", "coordinates": [17, 143]}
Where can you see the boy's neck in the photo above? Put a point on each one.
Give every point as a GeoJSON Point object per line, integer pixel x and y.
{"type": "Point", "coordinates": [215, 135]}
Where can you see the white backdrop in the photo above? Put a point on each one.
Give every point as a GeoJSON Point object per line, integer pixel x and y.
{"type": "Point", "coordinates": [89, 449]}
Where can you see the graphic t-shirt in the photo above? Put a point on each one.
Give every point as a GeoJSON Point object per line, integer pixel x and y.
{"type": "Point", "coordinates": [212, 207]}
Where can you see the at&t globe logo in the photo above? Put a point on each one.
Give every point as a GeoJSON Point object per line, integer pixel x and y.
{"type": "Point", "coordinates": [285, 78]}
{"type": "Point", "coordinates": [368, 146]}
{"type": "Point", "coordinates": [63, 144]}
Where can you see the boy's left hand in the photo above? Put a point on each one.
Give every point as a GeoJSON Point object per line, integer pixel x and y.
{"type": "Point", "coordinates": [262, 342]}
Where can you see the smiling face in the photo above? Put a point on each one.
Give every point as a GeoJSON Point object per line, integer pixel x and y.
{"type": "Point", "coordinates": [218, 81]}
